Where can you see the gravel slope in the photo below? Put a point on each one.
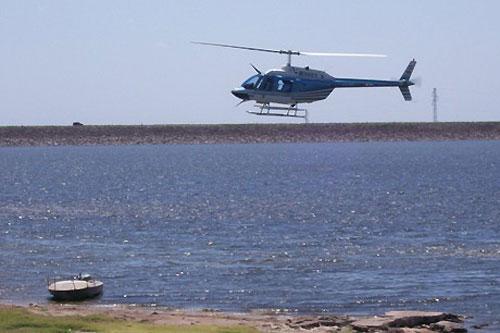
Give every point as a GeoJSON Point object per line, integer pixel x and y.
{"type": "Point", "coordinates": [244, 133]}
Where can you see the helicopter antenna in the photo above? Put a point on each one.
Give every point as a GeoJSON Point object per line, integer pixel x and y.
{"type": "Point", "coordinates": [290, 53]}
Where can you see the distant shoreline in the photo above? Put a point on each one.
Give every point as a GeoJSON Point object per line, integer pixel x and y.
{"type": "Point", "coordinates": [245, 133]}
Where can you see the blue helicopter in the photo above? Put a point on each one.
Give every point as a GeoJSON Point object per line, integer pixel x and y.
{"type": "Point", "coordinates": [293, 85]}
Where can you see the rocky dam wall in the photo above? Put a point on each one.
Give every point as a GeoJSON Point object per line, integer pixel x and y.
{"type": "Point", "coordinates": [244, 133]}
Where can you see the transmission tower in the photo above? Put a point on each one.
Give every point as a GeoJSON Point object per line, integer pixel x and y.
{"type": "Point", "coordinates": [435, 99]}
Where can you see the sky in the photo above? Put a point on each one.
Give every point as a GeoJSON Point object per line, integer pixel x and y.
{"type": "Point", "coordinates": [131, 62]}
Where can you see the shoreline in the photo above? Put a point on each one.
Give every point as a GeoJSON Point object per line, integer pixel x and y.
{"type": "Point", "coordinates": [260, 321]}
{"type": "Point", "coordinates": [14, 136]}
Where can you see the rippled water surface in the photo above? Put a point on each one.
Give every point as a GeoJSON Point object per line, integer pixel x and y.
{"type": "Point", "coordinates": [344, 228]}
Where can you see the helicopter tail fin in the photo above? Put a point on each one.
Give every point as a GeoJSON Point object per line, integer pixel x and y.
{"type": "Point", "coordinates": [405, 90]}
{"type": "Point", "coordinates": [408, 71]}
{"type": "Point", "coordinates": [405, 82]}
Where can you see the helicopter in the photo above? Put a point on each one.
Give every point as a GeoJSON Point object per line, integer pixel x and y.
{"type": "Point", "coordinates": [292, 85]}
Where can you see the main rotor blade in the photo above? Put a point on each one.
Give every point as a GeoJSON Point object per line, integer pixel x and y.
{"type": "Point", "coordinates": [241, 102]}
{"type": "Point", "coordinates": [238, 47]}
{"type": "Point", "coordinates": [290, 52]}
{"type": "Point", "coordinates": [256, 69]}
{"type": "Point", "coordinates": [326, 54]}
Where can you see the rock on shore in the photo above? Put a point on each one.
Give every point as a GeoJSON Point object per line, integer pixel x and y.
{"type": "Point", "coordinates": [391, 322]}
{"type": "Point", "coordinates": [244, 133]}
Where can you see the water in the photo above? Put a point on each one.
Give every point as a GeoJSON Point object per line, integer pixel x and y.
{"type": "Point", "coordinates": [339, 228]}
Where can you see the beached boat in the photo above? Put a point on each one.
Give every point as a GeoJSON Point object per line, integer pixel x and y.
{"type": "Point", "coordinates": [81, 287]}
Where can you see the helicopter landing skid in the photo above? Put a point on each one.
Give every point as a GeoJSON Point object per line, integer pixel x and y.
{"type": "Point", "coordinates": [280, 111]}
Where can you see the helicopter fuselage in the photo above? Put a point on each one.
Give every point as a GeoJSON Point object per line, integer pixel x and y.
{"type": "Point", "coordinates": [293, 85]}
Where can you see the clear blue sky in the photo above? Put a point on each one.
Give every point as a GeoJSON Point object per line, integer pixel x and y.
{"type": "Point", "coordinates": [130, 62]}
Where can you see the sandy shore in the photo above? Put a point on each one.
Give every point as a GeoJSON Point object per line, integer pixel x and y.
{"type": "Point", "coordinates": [160, 316]}
{"type": "Point", "coordinates": [244, 133]}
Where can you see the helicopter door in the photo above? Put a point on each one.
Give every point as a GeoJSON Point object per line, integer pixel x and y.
{"type": "Point", "coordinates": [266, 84]}
{"type": "Point", "coordinates": [284, 86]}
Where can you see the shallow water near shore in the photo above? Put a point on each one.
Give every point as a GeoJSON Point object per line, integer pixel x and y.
{"type": "Point", "coordinates": [356, 228]}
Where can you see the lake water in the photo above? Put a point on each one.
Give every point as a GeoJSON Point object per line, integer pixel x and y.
{"type": "Point", "coordinates": [308, 228]}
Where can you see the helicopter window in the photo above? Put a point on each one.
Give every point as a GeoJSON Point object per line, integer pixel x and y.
{"type": "Point", "coordinates": [287, 86]}
{"type": "Point", "coordinates": [251, 82]}
{"type": "Point", "coordinates": [266, 84]}
{"type": "Point", "coordinates": [270, 84]}
{"type": "Point", "coordinates": [280, 85]}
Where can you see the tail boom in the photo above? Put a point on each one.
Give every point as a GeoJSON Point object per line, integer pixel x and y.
{"type": "Point", "coordinates": [403, 83]}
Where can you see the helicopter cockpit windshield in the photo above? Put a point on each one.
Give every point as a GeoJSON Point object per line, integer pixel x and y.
{"type": "Point", "coordinates": [251, 83]}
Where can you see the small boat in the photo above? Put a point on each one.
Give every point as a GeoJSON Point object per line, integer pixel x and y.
{"type": "Point", "coordinates": [80, 287]}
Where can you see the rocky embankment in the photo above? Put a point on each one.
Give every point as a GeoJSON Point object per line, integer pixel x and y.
{"type": "Point", "coordinates": [244, 133]}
